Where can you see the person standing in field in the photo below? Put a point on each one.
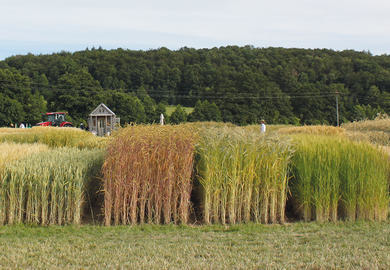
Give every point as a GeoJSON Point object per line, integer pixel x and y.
{"type": "Point", "coordinates": [262, 126]}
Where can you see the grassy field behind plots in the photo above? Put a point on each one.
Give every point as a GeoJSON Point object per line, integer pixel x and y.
{"type": "Point", "coordinates": [361, 245]}
{"type": "Point", "coordinates": [171, 108]}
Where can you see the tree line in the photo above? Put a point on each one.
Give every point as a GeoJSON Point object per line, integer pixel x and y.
{"type": "Point", "coordinates": [233, 84]}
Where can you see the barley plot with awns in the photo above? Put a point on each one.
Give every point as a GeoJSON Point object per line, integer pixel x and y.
{"type": "Point", "coordinates": [243, 176]}
{"type": "Point", "coordinates": [335, 178]}
{"type": "Point", "coordinates": [147, 175]}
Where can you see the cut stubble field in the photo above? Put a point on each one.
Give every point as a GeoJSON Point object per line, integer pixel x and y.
{"type": "Point", "coordinates": [362, 245]}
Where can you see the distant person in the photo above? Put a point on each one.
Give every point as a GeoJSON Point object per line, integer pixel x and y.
{"type": "Point", "coordinates": [82, 126]}
{"type": "Point", "coordinates": [21, 125]}
{"type": "Point", "coordinates": [262, 126]}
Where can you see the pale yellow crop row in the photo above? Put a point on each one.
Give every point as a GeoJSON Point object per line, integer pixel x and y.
{"type": "Point", "coordinates": [53, 137]}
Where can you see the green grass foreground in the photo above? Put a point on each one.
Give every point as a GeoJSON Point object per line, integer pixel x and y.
{"type": "Point", "coordinates": [299, 245]}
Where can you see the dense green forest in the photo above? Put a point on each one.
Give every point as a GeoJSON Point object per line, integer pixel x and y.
{"type": "Point", "coordinates": [233, 84]}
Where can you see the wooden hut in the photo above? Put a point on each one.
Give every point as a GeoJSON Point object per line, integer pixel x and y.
{"type": "Point", "coordinates": [102, 121]}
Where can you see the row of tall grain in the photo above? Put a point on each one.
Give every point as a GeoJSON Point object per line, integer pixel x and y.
{"type": "Point", "coordinates": [239, 175]}
{"type": "Point", "coordinates": [53, 137]}
{"type": "Point", "coordinates": [148, 175]}
{"type": "Point", "coordinates": [335, 178]}
{"type": "Point", "coordinates": [340, 173]}
{"type": "Point", "coordinates": [196, 173]}
{"type": "Point", "coordinates": [243, 176]}
{"type": "Point", "coordinates": [48, 186]}
{"type": "Point", "coordinates": [48, 175]}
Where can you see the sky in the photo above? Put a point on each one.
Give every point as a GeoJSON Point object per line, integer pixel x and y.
{"type": "Point", "coordinates": [49, 26]}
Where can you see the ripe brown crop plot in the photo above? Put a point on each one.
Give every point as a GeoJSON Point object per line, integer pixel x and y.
{"type": "Point", "coordinates": [147, 175]}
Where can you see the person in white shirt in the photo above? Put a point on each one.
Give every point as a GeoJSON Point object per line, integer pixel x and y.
{"type": "Point", "coordinates": [21, 125]}
{"type": "Point", "coordinates": [262, 126]}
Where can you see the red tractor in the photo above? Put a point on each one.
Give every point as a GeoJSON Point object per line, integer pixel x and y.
{"type": "Point", "coordinates": [55, 119]}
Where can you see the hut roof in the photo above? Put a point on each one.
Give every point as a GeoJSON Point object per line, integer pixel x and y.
{"type": "Point", "coordinates": [102, 110]}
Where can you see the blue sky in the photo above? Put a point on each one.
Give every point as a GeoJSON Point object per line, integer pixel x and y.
{"type": "Point", "coordinates": [47, 26]}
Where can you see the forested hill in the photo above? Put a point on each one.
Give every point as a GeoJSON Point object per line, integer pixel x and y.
{"type": "Point", "coordinates": [240, 84]}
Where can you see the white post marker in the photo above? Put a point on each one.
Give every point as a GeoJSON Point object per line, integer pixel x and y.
{"type": "Point", "coordinates": [262, 127]}
{"type": "Point", "coordinates": [161, 119]}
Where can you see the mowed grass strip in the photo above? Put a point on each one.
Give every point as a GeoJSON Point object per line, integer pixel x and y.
{"type": "Point", "coordinates": [357, 245]}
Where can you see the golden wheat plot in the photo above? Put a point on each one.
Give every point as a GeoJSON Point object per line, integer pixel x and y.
{"type": "Point", "coordinates": [243, 176]}
{"type": "Point", "coordinates": [381, 123]}
{"type": "Point", "coordinates": [47, 187]}
{"type": "Point", "coordinates": [10, 152]}
{"type": "Point", "coordinates": [314, 130]}
{"type": "Point", "coordinates": [53, 137]}
{"type": "Point", "coordinates": [374, 131]}
{"type": "Point", "coordinates": [147, 175]}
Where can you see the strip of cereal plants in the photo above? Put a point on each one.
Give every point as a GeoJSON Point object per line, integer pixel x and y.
{"type": "Point", "coordinates": [48, 187]}
{"type": "Point", "coordinates": [148, 175]}
{"type": "Point", "coordinates": [53, 137]}
{"type": "Point", "coordinates": [243, 176]}
{"type": "Point", "coordinates": [335, 178]}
